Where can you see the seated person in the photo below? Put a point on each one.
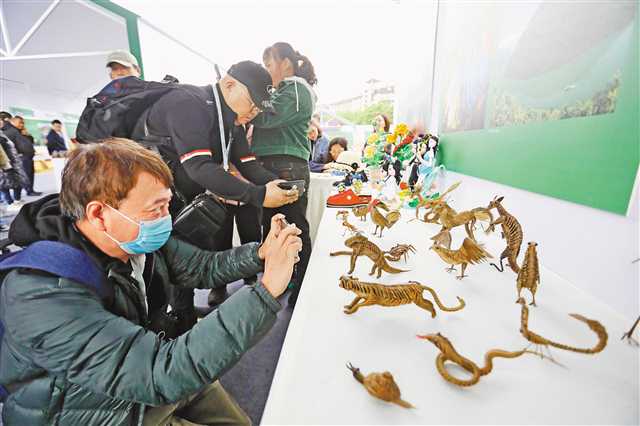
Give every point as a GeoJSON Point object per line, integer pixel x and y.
{"type": "Point", "coordinates": [71, 357]}
{"type": "Point", "coordinates": [319, 143]}
{"type": "Point", "coordinates": [336, 147]}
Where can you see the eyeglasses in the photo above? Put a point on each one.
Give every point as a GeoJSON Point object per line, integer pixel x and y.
{"type": "Point", "coordinates": [254, 108]}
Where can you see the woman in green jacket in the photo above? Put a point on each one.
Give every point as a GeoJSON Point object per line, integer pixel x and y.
{"type": "Point", "coordinates": [280, 139]}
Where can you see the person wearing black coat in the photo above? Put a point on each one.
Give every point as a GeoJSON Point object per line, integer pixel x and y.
{"type": "Point", "coordinates": [15, 178]}
{"type": "Point", "coordinates": [24, 144]}
{"type": "Point", "coordinates": [55, 142]}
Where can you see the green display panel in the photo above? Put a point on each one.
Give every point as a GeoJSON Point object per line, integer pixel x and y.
{"type": "Point", "coordinates": [39, 129]}
{"type": "Point", "coordinates": [542, 96]}
{"type": "Point", "coordinates": [23, 112]}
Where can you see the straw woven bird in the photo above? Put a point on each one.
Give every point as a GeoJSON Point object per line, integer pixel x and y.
{"type": "Point", "coordinates": [382, 221]}
{"type": "Point", "coordinates": [469, 252]}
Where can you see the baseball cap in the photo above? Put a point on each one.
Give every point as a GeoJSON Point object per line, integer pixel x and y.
{"type": "Point", "coordinates": [123, 58]}
{"type": "Point", "coordinates": [257, 80]}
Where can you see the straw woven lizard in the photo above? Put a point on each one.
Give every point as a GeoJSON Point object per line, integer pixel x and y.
{"type": "Point", "coordinates": [361, 246]}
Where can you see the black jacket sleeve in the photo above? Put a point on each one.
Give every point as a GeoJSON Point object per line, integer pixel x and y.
{"type": "Point", "coordinates": [245, 161]}
{"type": "Point", "coordinates": [190, 126]}
{"type": "Point", "coordinates": [213, 177]}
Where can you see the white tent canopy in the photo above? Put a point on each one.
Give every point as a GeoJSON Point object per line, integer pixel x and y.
{"type": "Point", "coordinates": [52, 54]}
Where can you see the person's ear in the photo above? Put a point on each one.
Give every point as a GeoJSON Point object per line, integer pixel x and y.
{"type": "Point", "coordinates": [288, 64]}
{"type": "Point", "coordinates": [229, 84]}
{"type": "Point", "coordinates": [94, 214]}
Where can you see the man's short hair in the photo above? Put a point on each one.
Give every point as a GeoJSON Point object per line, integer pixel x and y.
{"type": "Point", "coordinates": [56, 122]}
{"type": "Point", "coordinates": [338, 141]}
{"type": "Point", "coordinates": [106, 172]}
{"type": "Point", "coordinates": [4, 115]}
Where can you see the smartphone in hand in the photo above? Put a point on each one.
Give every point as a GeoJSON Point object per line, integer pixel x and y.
{"type": "Point", "coordinates": [297, 184]}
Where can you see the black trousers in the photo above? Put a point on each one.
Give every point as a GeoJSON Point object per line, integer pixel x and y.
{"type": "Point", "coordinates": [247, 219]}
{"type": "Point", "coordinates": [291, 168]}
{"type": "Point", "coordinates": [27, 165]}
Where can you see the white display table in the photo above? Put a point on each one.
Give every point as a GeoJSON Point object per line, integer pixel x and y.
{"type": "Point", "coordinates": [58, 168]}
{"type": "Point", "coordinates": [320, 188]}
{"type": "Point", "coordinates": [313, 386]}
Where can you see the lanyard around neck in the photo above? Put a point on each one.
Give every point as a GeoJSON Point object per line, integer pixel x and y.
{"type": "Point", "coordinates": [223, 139]}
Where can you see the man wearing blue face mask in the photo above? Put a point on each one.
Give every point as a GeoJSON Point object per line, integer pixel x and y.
{"type": "Point", "coordinates": [73, 355]}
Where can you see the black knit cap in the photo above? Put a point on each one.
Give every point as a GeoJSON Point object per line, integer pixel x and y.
{"type": "Point", "coordinates": [257, 80]}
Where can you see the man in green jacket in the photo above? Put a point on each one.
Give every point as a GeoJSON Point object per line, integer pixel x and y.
{"type": "Point", "coordinates": [70, 357]}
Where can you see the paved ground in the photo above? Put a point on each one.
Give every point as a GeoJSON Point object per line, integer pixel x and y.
{"type": "Point", "coordinates": [44, 182]}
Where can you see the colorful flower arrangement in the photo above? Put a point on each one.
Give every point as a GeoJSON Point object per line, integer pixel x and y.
{"type": "Point", "coordinates": [401, 138]}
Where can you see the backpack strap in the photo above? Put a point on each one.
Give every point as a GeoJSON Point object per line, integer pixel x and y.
{"type": "Point", "coordinates": [61, 260]}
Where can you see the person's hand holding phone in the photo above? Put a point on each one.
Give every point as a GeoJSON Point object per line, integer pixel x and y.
{"type": "Point", "coordinates": [280, 253]}
{"type": "Point", "coordinates": [276, 196]}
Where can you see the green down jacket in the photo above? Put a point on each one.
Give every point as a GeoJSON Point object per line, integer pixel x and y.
{"type": "Point", "coordinates": [74, 359]}
{"type": "Point", "coordinates": [285, 132]}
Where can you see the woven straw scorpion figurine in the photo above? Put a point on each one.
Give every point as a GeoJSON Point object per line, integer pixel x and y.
{"type": "Point", "coordinates": [399, 251]}
{"type": "Point", "coordinates": [539, 341]}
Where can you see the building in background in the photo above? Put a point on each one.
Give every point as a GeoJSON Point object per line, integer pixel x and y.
{"type": "Point", "coordinates": [374, 91]}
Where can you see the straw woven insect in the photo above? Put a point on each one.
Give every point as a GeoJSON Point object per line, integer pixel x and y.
{"type": "Point", "coordinates": [398, 251]}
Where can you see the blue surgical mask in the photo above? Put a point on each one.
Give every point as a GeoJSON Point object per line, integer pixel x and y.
{"type": "Point", "coordinates": [152, 234]}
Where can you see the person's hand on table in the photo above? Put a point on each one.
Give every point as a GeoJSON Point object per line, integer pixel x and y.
{"type": "Point", "coordinates": [328, 166]}
{"type": "Point", "coordinates": [276, 196]}
{"type": "Point", "coordinates": [280, 253]}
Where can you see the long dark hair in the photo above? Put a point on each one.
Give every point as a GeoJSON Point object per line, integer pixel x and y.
{"type": "Point", "coordinates": [302, 67]}
{"type": "Point", "coordinates": [387, 122]}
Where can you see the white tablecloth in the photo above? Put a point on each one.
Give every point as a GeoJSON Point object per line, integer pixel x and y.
{"type": "Point", "coordinates": [320, 188]}
{"type": "Point", "coordinates": [313, 386]}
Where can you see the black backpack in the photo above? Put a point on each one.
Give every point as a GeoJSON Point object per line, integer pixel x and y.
{"type": "Point", "coordinates": [117, 108]}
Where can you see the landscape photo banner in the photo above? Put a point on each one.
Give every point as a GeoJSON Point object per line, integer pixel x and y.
{"type": "Point", "coordinates": [542, 96]}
